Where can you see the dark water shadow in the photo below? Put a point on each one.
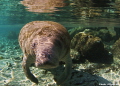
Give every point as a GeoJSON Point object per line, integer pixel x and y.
{"type": "Point", "coordinates": [102, 57]}
{"type": "Point", "coordinates": [81, 77]}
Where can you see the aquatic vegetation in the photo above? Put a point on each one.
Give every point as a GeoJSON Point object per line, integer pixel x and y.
{"type": "Point", "coordinates": [117, 5]}
{"type": "Point", "coordinates": [116, 49]}
{"type": "Point", "coordinates": [84, 9]}
{"type": "Point", "coordinates": [74, 31]}
{"type": "Point", "coordinates": [104, 33]}
{"type": "Point", "coordinates": [90, 48]}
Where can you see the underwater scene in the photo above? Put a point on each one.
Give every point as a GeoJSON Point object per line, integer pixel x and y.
{"type": "Point", "coordinates": [59, 42]}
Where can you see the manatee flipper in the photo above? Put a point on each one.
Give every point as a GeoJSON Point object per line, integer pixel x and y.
{"type": "Point", "coordinates": [27, 72]}
{"type": "Point", "coordinates": [67, 72]}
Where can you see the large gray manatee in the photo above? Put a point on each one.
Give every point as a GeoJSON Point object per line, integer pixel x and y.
{"type": "Point", "coordinates": [44, 44]}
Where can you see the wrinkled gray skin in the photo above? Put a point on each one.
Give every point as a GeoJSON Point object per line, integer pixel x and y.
{"type": "Point", "coordinates": [45, 43]}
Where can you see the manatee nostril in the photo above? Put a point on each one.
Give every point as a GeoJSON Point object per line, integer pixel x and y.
{"type": "Point", "coordinates": [38, 62]}
{"type": "Point", "coordinates": [43, 55]}
{"type": "Point", "coordinates": [46, 55]}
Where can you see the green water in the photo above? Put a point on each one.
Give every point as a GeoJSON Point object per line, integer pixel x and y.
{"type": "Point", "coordinates": [98, 17]}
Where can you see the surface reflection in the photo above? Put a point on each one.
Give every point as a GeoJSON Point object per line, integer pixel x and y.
{"type": "Point", "coordinates": [93, 9]}
{"type": "Point", "coordinates": [74, 12]}
{"type": "Point", "coordinates": [46, 6]}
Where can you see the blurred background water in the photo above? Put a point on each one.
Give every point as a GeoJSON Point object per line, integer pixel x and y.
{"type": "Point", "coordinates": [70, 13]}
{"type": "Point", "coordinates": [85, 14]}
{"type": "Point", "coordinates": [79, 12]}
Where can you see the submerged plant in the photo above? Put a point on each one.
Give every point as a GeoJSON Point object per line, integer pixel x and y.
{"type": "Point", "coordinates": [90, 48]}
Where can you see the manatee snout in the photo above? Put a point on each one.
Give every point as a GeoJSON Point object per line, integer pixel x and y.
{"type": "Point", "coordinates": [46, 60]}
{"type": "Point", "coordinates": [45, 53]}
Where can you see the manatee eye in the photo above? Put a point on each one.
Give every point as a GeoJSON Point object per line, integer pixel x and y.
{"type": "Point", "coordinates": [33, 45]}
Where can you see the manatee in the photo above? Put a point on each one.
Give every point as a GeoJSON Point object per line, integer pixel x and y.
{"type": "Point", "coordinates": [45, 44]}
